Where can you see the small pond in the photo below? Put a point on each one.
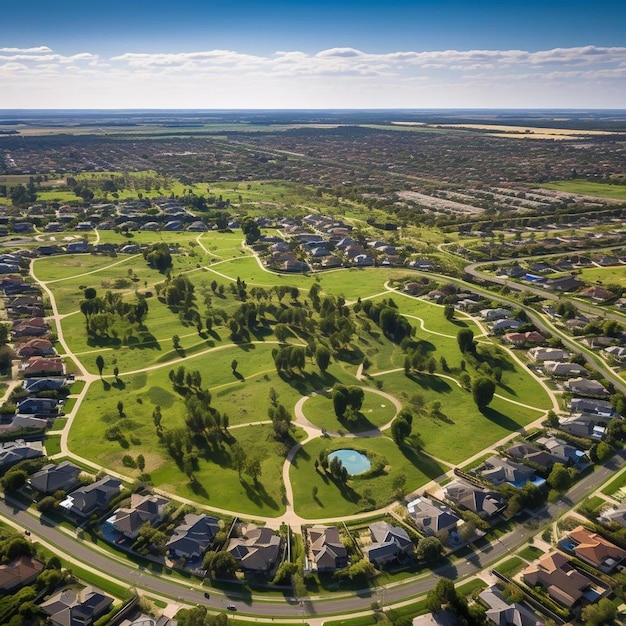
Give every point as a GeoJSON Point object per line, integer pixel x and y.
{"type": "Point", "coordinates": [355, 462]}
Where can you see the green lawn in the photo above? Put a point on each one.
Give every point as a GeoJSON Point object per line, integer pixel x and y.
{"type": "Point", "coordinates": [460, 430]}
{"type": "Point", "coordinates": [376, 412]}
{"type": "Point", "coordinates": [588, 188]}
{"type": "Point", "coordinates": [334, 500]}
{"type": "Point", "coordinates": [612, 275]}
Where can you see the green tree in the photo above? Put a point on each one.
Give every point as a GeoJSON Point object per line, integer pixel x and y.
{"type": "Point", "coordinates": [322, 358]}
{"type": "Point", "coordinates": [559, 478]}
{"type": "Point", "coordinates": [400, 430]}
{"type": "Point", "coordinates": [465, 340]}
{"type": "Point", "coordinates": [604, 612]}
{"type": "Point", "coordinates": [483, 389]}
{"type": "Point", "coordinates": [100, 364]}
{"type": "Point", "coordinates": [429, 549]}
{"type": "Point", "coordinates": [120, 408]}
{"type": "Point", "coordinates": [448, 311]}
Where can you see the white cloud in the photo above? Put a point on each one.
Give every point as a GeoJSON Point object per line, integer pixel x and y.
{"type": "Point", "coordinates": [341, 76]}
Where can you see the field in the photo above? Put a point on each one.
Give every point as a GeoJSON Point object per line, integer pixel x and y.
{"type": "Point", "coordinates": [612, 275]}
{"type": "Point", "coordinates": [145, 357]}
{"type": "Point", "coordinates": [588, 188]}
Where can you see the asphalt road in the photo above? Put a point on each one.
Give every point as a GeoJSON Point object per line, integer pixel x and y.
{"type": "Point", "coordinates": [289, 607]}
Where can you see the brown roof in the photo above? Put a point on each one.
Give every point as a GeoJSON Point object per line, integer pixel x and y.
{"type": "Point", "coordinates": [594, 548]}
{"type": "Point", "coordinates": [21, 571]}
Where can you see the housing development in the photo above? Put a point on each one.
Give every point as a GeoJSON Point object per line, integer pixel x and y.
{"type": "Point", "coordinates": [329, 367]}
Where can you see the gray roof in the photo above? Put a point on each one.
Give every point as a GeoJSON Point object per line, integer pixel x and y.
{"type": "Point", "coordinates": [51, 477]}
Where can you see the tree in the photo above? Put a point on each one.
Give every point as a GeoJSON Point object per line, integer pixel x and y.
{"type": "Point", "coordinates": [322, 358]}
{"type": "Point", "coordinates": [141, 463]}
{"type": "Point", "coordinates": [239, 457]}
{"type": "Point", "coordinates": [429, 549]}
{"type": "Point", "coordinates": [116, 372]}
{"type": "Point", "coordinates": [465, 340]}
{"type": "Point", "coordinates": [89, 293]}
{"type": "Point", "coordinates": [100, 364]}
{"type": "Point", "coordinates": [559, 478]}
{"type": "Point", "coordinates": [483, 389]}
{"type": "Point", "coordinates": [253, 469]}
{"type": "Point", "coordinates": [448, 311]}
{"type": "Point", "coordinates": [120, 408]}
{"type": "Point", "coordinates": [176, 342]}
{"type": "Point", "coordinates": [233, 365]}
{"type": "Point", "coordinates": [398, 483]}
{"type": "Point", "coordinates": [400, 430]}
{"type": "Point", "coordinates": [604, 612]}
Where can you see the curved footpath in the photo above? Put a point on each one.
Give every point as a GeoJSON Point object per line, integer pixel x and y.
{"type": "Point", "coordinates": [313, 607]}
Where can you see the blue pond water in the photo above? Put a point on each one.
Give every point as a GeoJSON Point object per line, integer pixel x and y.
{"type": "Point", "coordinates": [355, 462]}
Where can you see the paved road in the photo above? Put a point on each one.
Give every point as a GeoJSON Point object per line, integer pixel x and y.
{"type": "Point", "coordinates": [286, 608]}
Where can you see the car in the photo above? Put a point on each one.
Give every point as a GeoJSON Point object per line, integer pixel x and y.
{"type": "Point", "coordinates": [27, 532]}
{"type": "Point", "coordinates": [207, 595]}
{"type": "Point", "coordinates": [231, 607]}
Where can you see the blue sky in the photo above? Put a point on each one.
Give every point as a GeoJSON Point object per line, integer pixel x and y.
{"type": "Point", "coordinates": [289, 54]}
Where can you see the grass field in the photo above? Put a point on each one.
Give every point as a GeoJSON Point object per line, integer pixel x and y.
{"type": "Point", "coordinates": [588, 188]}
{"type": "Point", "coordinates": [612, 275]}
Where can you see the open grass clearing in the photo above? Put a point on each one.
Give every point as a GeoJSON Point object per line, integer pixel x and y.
{"type": "Point", "coordinates": [588, 188]}
{"type": "Point", "coordinates": [612, 275]}
{"type": "Point", "coordinates": [337, 500]}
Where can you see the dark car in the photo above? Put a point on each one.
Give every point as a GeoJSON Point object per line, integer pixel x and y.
{"type": "Point", "coordinates": [207, 594]}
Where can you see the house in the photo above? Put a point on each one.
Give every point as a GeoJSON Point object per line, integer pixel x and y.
{"type": "Point", "coordinates": [93, 498]}
{"type": "Point", "coordinates": [12, 452]}
{"type": "Point", "coordinates": [564, 370]}
{"type": "Point", "coordinates": [548, 354]}
{"type": "Point", "coordinates": [471, 498]}
{"type": "Point", "coordinates": [76, 607]}
{"type": "Point", "coordinates": [594, 549]}
{"type": "Point", "coordinates": [498, 471]}
{"type": "Point", "coordinates": [560, 448]}
{"type": "Point", "coordinates": [491, 315]}
{"type": "Point", "coordinates": [43, 406]}
{"type": "Point", "coordinates": [531, 454]}
{"type": "Point", "coordinates": [584, 425]}
{"type": "Point", "coordinates": [585, 387]}
{"type": "Point", "coordinates": [77, 247]}
{"type": "Point", "coordinates": [144, 509]}
{"type": "Point", "coordinates": [595, 293]}
{"type": "Point", "coordinates": [51, 478]}
{"type": "Point", "coordinates": [505, 324]}
{"type": "Point", "coordinates": [562, 582]}
{"type": "Point", "coordinates": [43, 366]}
{"type": "Point", "coordinates": [617, 352]}
{"type": "Point", "coordinates": [258, 551]}
{"type": "Point", "coordinates": [362, 260]}
{"type": "Point", "coordinates": [327, 552]}
{"type": "Point", "coordinates": [35, 385]}
{"type": "Point", "coordinates": [563, 284]}
{"type": "Point", "coordinates": [130, 248]}
{"type": "Point", "coordinates": [33, 327]}
{"type": "Point", "coordinates": [35, 347]}
{"type": "Point", "coordinates": [19, 572]}
{"type": "Point", "coordinates": [388, 543]}
{"type": "Point", "coordinates": [521, 339]}
{"type": "Point", "coordinates": [501, 613]}
{"type": "Point", "coordinates": [294, 265]}
{"type": "Point", "coordinates": [602, 408]}
{"type": "Point", "coordinates": [191, 539]}
{"type": "Point", "coordinates": [432, 518]}
{"type": "Point", "coordinates": [615, 515]}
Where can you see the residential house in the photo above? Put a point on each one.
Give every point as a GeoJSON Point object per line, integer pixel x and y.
{"type": "Point", "coordinates": [35, 347]}
{"type": "Point", "coordinates": [191, 539]}
{"type": "Point", "coordinates": [42, 406]}
{"type": "Point", "coordinates": [501, 613]}
{"type": "Point", "coordinates": [617, 352]}
{"type": "Point", "coordinates": [531, 454]}
{"type": "Point", "coordinates": [43, 366]}
{"type": "Point", "coordinates": [499, 471]}
{"type": "Point", "coordinates": [563, 284]}
{"type": "Point", "coordinates": [431, 517]}
{"type": "Point", "coordinates": [585, 425]}
{"type": "Point", "coordinates": [76, 607]}
{"type": "Point", "coordinates": [77, 247]}
{"type": "Point", "coordinates": [594, 406]}
{"type": "Point", "coordinates": [560, 579]}
{"type": "Point", "coordinates": [585, 387]}
{"type": "Point", "coordinates": [540, 355]}
{"type": "Point", "coordinates": [521, 339]}
{"type": "Point", "coordinates": [466, 496]}
{"type": "Point", "coordinates": [19, 572]}
{"type": "Point", "coordinates": [594, 549]}
{"type": "Point", "coordinates": [564, 370]}
{"type": "Point", "coordinates": [505, 324]}
{"type": "Point", "coordinates": [491, 315]}
{"type": "Point", "coordinates": [12, 452]}
{"type": "Point", "coordinates": [32, 327]}
{"type": "Point", "coordinates": [595, 293]}
{"type": "Point", "coordinates": [143, 509]}
{"type": "Point", "coordinates": [569, 454]}
{"type": "Point", "coordinates": [93, 498]}
{"type": "Point", "coordinates": [258, 551]}
{"type": "Point", "coordinates": [52, 478]}
{"type": "Point", "coordinates": [36, 385]}
{"type": "Point", "coordinates": [388, 543]}
{"type": "Point", "coordinates": [327, 552]}
{"type": "Point", "coordinates": [615, 515]}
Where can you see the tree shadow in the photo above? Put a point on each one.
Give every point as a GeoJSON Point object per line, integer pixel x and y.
{"type": "Point", "coordinates": [500, 419]}
{"type": "Point", "coordinates": [425, 464]}
{"type": "Point", "coordinates": [238, 375]}
{"type": "Point", "coordinates": [428, 381]}
{"type": "Point", "coordinates": [119, 384]}
{"type": "Point", "coordinates": [198, 489]}
{"type": "Point", "coordinates": [106, 385]}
